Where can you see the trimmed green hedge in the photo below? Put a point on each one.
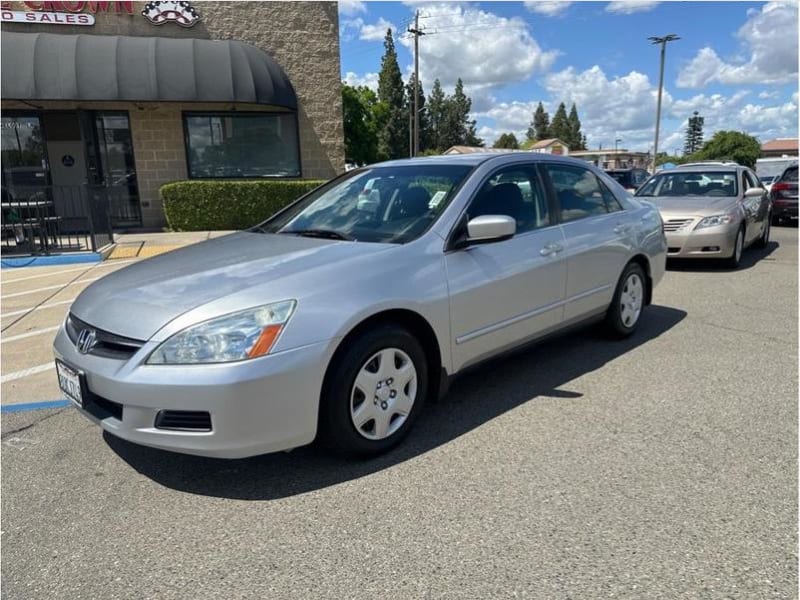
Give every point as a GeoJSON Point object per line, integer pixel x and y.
{"type": "Point", "coordinates": [202, 205]}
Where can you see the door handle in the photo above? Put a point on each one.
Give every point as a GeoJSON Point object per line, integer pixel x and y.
{"type": "Point", "coordinates": [551, 249]}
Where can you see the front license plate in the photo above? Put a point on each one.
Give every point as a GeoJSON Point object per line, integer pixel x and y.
{"type": "Point", "coordinates": [69, 381]}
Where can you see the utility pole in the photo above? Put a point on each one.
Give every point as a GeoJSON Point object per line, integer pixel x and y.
{"type": "Point", "coordinates": [415, 106]}
{"type": "Point", "coordinates": [663, 41]}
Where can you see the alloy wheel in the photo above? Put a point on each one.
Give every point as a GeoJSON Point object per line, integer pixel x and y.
{"type": "Point", "coordinates": [383, 394]}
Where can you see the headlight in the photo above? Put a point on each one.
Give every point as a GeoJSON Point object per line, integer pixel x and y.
{"type": "Point", "coordinates": [716, 220]}
{"type": "Point", "coordinates": [237, 336]}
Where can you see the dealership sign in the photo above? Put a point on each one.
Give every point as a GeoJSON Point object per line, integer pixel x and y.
{"type": "Point", "coordinates": [45, 18]}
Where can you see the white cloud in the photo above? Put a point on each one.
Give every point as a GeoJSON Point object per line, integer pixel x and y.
{"type": "Point", "coordinates": [368, 79]}
{"type": "Point", "coordinates": [769, 43]}
{"type": "Point", "coordinates": [375, 32]}
{"type": "Point", "coordinates": [627, 7]}
{"type": "Point", "coordinates": [507, 117]}
{"type": "Point", "coordinates": [765, 95]}
{"type": "Point", "coordinates": [484, 49]}
{"type": "Point", "coordinates": [549, 8]}
{"type": "Point", "coordinates": [621, 107]}
{"type": "Point", "coordinates": [351, 7]}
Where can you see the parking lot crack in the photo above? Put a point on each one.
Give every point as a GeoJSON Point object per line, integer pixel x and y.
{"type": "Point", "coordinates": [753, 333]}
{"type": "Point", "coordinates": [29, 425]}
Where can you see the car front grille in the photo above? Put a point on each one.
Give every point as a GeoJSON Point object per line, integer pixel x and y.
{"type": "Point", "coordinates": [676, 224]}
{"type": "Point", "coordinates": [107, 345]}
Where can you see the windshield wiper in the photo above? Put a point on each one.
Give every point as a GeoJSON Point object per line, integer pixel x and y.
{"type": "Point", "coordinates": [328, 234]}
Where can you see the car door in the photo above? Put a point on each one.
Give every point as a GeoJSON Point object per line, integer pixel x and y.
{"type": "Point", "coordinates": [757, 208]}
{"type": "Point", "coordinates": [506, 292]}
{"type": "Point", "coordinates": [597, 233]}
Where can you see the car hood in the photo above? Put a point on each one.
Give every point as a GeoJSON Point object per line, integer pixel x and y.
{"type": "Point", "coordinates": [138, 300]}
{"type": "Point", "coordinates": [701, 206]}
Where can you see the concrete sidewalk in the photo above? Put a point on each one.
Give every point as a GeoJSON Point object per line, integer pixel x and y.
{"type": "Point", "coordinates": [144, 245]}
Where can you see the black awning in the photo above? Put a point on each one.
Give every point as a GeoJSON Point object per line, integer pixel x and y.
{"type": "Point", "coordinates": [48, 66]}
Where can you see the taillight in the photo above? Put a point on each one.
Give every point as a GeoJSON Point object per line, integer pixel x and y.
{"type": "Point", "coordinates": [780, 187]}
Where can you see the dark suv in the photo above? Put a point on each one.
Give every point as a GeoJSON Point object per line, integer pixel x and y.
{"type": "Point", "coordinates": [784, 195]}
{"type": "Point", "coordinates": [630, 179]}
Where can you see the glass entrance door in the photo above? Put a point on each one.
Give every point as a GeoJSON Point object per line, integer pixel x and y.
{"type": "Point", "coordinates": [24, 162]}
{"type": "Point", "coordinates": [115, 167]}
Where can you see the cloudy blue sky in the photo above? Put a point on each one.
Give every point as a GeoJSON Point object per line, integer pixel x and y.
{"type": "Point", "coordinates": [736, 62]}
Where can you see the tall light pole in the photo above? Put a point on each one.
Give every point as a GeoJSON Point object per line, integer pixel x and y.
{"type": "Point", "coordinates": [663, 41]}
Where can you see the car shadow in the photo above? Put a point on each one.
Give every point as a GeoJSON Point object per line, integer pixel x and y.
{"type": "Point", "coordinates": [476, 398]}
{"type": "Point", "coordinates": [750, 258]}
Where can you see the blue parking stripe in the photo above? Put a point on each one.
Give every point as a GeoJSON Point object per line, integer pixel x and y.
{"type": "Point", "coordinates": [12, 408]}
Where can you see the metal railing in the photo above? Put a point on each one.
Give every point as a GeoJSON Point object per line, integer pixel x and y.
{"type": "Point", "coordinates": [53, 219]}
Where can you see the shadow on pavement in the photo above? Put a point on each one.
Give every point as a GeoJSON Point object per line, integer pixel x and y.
{"type": "Point", "coordinates": [750, 258]}
{"type": "Point", "coordinates": [474, 399]}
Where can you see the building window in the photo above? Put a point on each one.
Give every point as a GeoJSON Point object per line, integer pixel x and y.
{"type": "Point", "coordinates": [230, 145]}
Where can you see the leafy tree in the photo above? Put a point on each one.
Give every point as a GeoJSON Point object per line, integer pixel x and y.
{"type": "Point", "coordinates": [560, 127]}
{"type": "Point", "coordinates": [730, 145]}
{"type": "Point", "coordinates": [540, 125]}
{"type": "Point", "coordinates": [576, 138]}
{"type": "Point", "coordinates": [393, 130]}
{"type": "Point", "coordinates": [694, 134]}
{"type": "Point", "coordinates": [425, 134]}
{"type": "Point", "coordinates": [506, 140]}
{"type": "Point", "coordinates": [360, 124]}
{"type": "Point", "coordinates": [436, 115]}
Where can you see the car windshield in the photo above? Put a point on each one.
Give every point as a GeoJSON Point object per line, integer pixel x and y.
{"type": "Point", "coordinates": [392, 204]}
{"type": "Point", "coordinates": [691, 183]}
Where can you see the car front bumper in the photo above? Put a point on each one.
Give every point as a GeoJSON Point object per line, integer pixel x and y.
{"type": "Point", "coordinates": [711, 242]}
{"type": "Point", "coordinates": [255, 406]}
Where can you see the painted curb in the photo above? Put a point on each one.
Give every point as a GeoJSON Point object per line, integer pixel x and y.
{"type": "Point", "coordinates": [12, 408]}
{"type": "Point", "coordinates": [48, 261]}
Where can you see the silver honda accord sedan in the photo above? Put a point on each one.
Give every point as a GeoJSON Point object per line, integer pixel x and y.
{"type": "Point", "coordinates": [342, 314]}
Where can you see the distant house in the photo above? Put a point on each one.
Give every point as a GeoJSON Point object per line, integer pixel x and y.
{"type": "Point", "coordinates": [779, 147]}
{"type": "Point", "coordinates": [550, 146]}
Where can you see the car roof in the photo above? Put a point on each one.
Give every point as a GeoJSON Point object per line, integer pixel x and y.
{"type": "Point", "coordinates": [709, 166]}
{"type": "Point", "coordinates": [478, 158]}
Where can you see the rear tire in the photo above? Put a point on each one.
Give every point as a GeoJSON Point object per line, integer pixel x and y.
{"type": "Point", "coordinates": [626, 308]}
{"type": "Point", "coordinates": [738, 250]}
{"type": "Point", "coordinates": [380, 382]}
{"type": "Point", "coordinates": [763, 241]}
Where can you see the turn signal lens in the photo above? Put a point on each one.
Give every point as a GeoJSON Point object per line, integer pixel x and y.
{"type": "Point", "coordinates": [265, 341]}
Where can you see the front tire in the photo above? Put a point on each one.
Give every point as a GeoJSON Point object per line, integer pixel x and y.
{"type": "Point", "coordinates": [738, 249]}
{"type": "Point", "coordinates": [374, 392]}
{"type": "Point", "coordinates": [626, 307]}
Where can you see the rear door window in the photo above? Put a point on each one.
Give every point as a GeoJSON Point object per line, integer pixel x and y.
{"type": "Point", "coordinates": [580, 194]}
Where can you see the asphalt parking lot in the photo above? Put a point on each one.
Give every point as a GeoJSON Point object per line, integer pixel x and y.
{"type": "Point", "coordinates": [662, 466]}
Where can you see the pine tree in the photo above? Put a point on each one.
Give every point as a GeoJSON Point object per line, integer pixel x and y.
{"type": "Point", "coordinates": [436, 116]}
{"type": "Point", "coordinates": [393, 133]}
{"type": "Point", "coordinates": [560, 128]}
{"type": "Point", "coordinates": [694, 134]}
{"type": "Point", "coordinates": [540, 126]}
{"type": "Point", "coordinates": [466, 126]}
{"type": "Point", "coordinates": [575, 141]}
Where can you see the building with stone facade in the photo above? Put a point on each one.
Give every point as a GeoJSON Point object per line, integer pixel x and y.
{"type": "Point", "coordinates": [131, 95]}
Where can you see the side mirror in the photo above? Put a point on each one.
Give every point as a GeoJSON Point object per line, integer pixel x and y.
{"type": "Point", "coordinates": [753, 192]}
{"type": "Point", "coordinates": [490, 228]}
